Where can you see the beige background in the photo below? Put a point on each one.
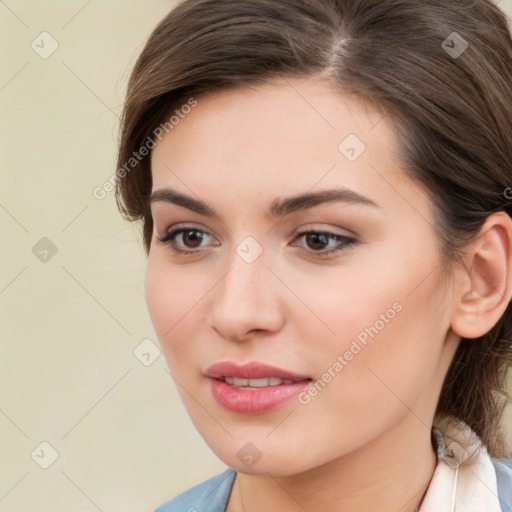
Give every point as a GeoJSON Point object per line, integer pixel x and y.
{"type": "Point", "coordinates": [71, 321]}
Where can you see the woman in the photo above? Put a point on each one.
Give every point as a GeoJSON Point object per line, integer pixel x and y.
{"type": "Point", "coordinates": [324, 188]}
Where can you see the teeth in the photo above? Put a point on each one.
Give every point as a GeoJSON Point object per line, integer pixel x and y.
{"type": "Point", "coordinates": [240, 382]}
{"type": "Point", "coordinates": [256, 383]}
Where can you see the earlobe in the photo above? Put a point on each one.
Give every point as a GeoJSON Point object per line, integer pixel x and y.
{"type": "Point", "coordinates": [486, 287]}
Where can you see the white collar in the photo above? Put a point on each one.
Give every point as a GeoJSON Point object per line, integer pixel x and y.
{"type": "Point", "coordinates": [464, 479]}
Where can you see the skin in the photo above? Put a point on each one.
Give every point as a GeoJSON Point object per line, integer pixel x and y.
{"type": "Point", "coordinates": [363, 443]}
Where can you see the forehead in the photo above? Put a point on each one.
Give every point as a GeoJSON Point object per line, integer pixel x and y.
{"type": "Point", "coordinates": [277, 139]}
{"type": "Point", "coordinates": [292, 108]}
{"type": "Point", "coordinates": [301, 114]}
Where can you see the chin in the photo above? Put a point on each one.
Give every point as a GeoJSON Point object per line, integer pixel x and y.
{"type": "Point", "coordinates": [270, 467]}
{"type": "Point", "coordinates": [254, 459]}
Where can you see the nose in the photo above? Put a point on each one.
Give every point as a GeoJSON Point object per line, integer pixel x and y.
{"type": "Point", "coordinates": [247, 301]}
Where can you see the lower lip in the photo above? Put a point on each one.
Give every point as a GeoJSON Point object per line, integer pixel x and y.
{"type": "Point", "coordinates": [254, 401]}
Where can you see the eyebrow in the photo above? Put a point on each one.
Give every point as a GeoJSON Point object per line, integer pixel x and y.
{"type": "Point", "coordinates": [278, 208]}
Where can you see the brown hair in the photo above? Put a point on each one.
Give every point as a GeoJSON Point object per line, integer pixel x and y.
{"type": "Point", "coordinates": [451, 107]}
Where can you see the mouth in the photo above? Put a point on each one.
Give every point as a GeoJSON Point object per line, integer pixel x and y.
{"type": "Point", "coordinates": [254, 372]}
{"type": "Point", "coordinates": [256, 383]}
{"type": "Point", "coordinates": [253, 388]}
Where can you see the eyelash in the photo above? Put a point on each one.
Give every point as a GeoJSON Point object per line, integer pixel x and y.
{"type": "Point", "coordinates": [348, 242]}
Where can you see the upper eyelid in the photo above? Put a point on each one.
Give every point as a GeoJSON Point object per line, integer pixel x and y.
{"type": "Point", "coordinates": [178, 229]}
{"type": "Point", "coordinates": [343, 243]}
{"type": "Point", "coordinates": [298, 231]}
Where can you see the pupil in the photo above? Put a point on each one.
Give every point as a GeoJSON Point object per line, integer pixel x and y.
{"type": "Point", "coordinates": [318, 237]}
{"type": "Point", "coordinates": [193, 238]}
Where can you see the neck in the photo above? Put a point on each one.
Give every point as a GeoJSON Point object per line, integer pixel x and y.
{"type": "Point", "coordinates": [390, 473]}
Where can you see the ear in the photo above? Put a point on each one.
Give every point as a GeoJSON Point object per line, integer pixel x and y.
{"type": "Point", "coordinates": [485, 288]}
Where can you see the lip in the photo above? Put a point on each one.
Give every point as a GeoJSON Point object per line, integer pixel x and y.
{"type": "Point", "coordinates": [252, 370]}
{"type": "Point", "coordinates": [251, 400]}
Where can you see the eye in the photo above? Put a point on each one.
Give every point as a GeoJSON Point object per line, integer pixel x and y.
{"type": "Point", "coordinates": [190, 236]}
{"type": "Point", "coordinates": [191, 239]}
{"type": "Point", "coordinates": [317, 240]}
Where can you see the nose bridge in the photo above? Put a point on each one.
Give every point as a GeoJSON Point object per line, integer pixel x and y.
{"type": "Point", "coordinates": [245, 282]}
{"type": "Point", "coordinates": [244, 299]}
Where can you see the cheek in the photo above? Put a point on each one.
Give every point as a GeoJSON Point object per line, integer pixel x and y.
{"type": "Point", "coordinates": [170, 296]}
{"type": "Point", "coordinates": [160, 296]}
{"type": "Point", "coordinates": [382, 337]}
{"type": "Point", "coordinates": [178, 303]}
{"type": "Point", "coordinates": [171, 292]}
{"type": "Point", "coordinates": [388, 374]}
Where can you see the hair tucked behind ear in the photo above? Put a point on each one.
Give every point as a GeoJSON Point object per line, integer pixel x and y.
{"type": "Point", "coordinates": [451, 106]}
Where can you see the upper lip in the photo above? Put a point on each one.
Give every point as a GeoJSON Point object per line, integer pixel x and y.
{"type": "Point", "coordinates": [252, 370]}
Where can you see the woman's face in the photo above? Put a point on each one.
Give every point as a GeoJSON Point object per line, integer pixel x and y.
{"type": "Point", "coordinates": [343, 298]}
